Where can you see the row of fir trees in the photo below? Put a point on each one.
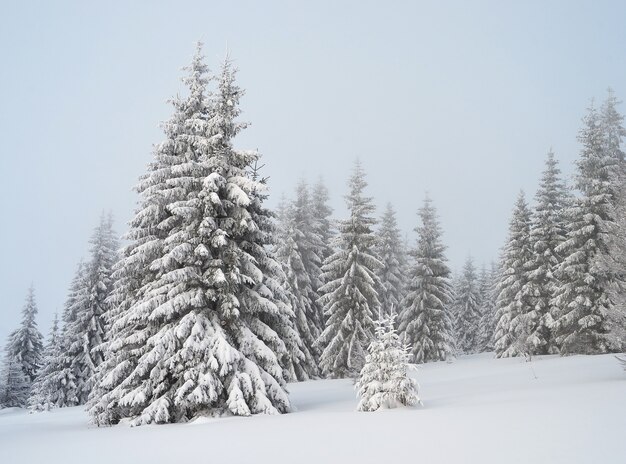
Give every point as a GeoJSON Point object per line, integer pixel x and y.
{"type": "Point", "coordinates": [215, 302]}
{"type": "Point", "coordinates": [561, 282]}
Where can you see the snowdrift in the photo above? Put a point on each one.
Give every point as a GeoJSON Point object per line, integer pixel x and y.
{"type": "Point", "coordinates": [476, 410]}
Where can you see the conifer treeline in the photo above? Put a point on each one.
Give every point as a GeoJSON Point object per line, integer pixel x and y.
{"type": "Point", "coordinates": [561, 284]}
{"type": "Point", "coordinates": [215, 303]}
{"type": "Point", "coordinates": [63, 372]}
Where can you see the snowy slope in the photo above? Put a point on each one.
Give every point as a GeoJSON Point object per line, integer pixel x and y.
{"type": "Point", "coordinates": [476, 410]}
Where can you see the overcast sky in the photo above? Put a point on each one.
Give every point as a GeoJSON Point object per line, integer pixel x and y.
{"type": "Point", "coordinates": [460, 99]}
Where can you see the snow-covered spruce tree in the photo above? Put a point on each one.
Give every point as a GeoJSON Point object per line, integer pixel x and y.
{"type": "Point", "coordinates": [390, 250]}
{"type": "Point", "coordinates": [104, 256]}
{"type": "Point", "coordinates": [613, 131]}
{"type": "Point", "coordinates": [483, 300]}
{"type": "Point", "coordinates": [53, 337]}
{"type": "Point", "coordinates": [424, 322]}
{"type": "Point", "coordinates": [584, 298]}
{"type": "Point", "coordinates": [61, 377]}
{"type": "Point", "coordinates": [312, 248]}
{"type": "Point", "coordinates": [488, 296]}
{"type": "Point", "coordinates": [547, 232]}
{"type": "Point", "coordinates": [467, 303]}
{"type": "Point", "coordinates": [287, 343]}
{"type": "Point", "coordinates": [25, 345]}
{"type": "Point", "coordinates": [514, 304]}
{"type": "Point", "coordinates": [56, 384]}
{"type": "Point", "coordinates": [297, 250]}
{"type": "Point", "coordinates": [455, 280]}
{"type": "Point", "coordinates": [14, 384]}
{"type": "Point", "coordinates": [384, 381]}
{"type": "Point", "coordinates": [349, 294]}
{"type": "Point", "coordinates": [41, 394]}
{"type": "Point", "coordinates": [198, 331]}
{"type": "Point", "coordinates": [323, 223]}
{"type": "Point", "coordinates": [84, 330]}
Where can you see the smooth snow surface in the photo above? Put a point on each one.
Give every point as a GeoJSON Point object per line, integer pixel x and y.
{"type": "Point", "coordinates": [476, 410]}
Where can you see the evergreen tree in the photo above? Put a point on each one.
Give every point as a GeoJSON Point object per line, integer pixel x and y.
{"type": "Point", "coordinates": [488, 296]}
{"type": "Point", "coordinates": [25, 346]}
{"type": "Point", "coordinates": [425, 322]}
{"type": "Point", "coordinates": [43, 392]}
{"type": "Point", "coordinates": [198, 326]}
{"type": "Point", "coordinates": [298, 251]}
{"type": "Point", "coordinates": [514, 304]}
{"type": "Point", "coordinates": [611, 122]}
{"type": "Point", "coordinates": [467, 302]}
{"type": "Point", "coordinates": [323, 224]}
{"type": "Point", "coordinates": [384, 381]}
{"type": "Point", "coordinates": [57, 384]}
{"type": "Point", "coordinates": [454, 308]}
{"type": "Point", "coordinates": [482, 301]}
{"type": "Point", "coordinates": [62, 378]}
{"type": "Point", "coordinates": [548, 231]}
{"type": "Point", "coordinates": [391, 253]}
{"type": "Point", "coordinates": [14, 384]}
{"type": "Point", "coordinates": [53, 338]}
{"type": "Point", "coordinates": [349, 294]}
{"type": "Point", "coordinates": [84, 333]}
{"type": "Point", "coordinates": [312, 249]}
{"type": "Point", "coordinates": [287, 344]}
{"type": "Point", "coordinates": [584, 298]}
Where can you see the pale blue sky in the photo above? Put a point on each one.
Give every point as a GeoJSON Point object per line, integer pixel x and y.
{"type": "Point", "coordinates": [462, 99]}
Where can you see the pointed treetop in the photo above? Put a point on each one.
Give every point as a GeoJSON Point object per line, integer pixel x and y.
{"type": "Point", "coordinates": [227, 101]}
{"type": "Point", "coordinates": [197, 71]}
{"type": "Point", "coordinates": [611, 121]}
{"type": "Point", "coordinates": [357, 183]}
{"type": "Point", "coordinates": [30, 307]}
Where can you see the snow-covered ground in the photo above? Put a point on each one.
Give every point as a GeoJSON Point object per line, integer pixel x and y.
{"type": "Point", "coordinates": [476, 410]}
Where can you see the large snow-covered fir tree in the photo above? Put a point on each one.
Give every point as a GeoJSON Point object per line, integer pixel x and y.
{"type": "Point", "coordinates": [548, 231]}
{"type": "Point", "coordinates": [467, 309]}
{"type": "Point", "coordinates": [298, 250]}
{"type": "Point", "coordinates": [585, 300]}
{"type": "Point", "coordinates": [25, 345]}
{"type": "Point", "coordinates": [513, 304]}
{"type": "Point", "coordinates": [390, 250]}
{"type": "Point", "coordinates": [349, 294]}
{"type": "Point", "coordinates": [424, 321]}
{"type": "Point", "coordinates": [42, 393]}
{"type": "Point", "coordinates": [84, 330]}
{"type": "Point", "coordinates": [197, 326]}
{"type": "Point", "coordinates": [384, 381]}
